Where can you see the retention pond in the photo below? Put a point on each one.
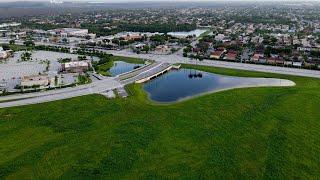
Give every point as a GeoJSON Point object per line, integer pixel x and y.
{"type": "Point", "coordinates": [120, 67]}
{"type": "Point", "coordinates": [186, 83]}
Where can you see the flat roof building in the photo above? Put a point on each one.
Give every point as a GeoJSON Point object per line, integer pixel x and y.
{"type": "Point", "coordinates": [65, 32]}
{"type": "Point", "coordinates": [76, 66]}
{"type": "Point", "coordinates": [36, 80]}
{"type": "Point", "coordinates": [6, 25]}
{"type": "Point", "coordinates": [3, 53]}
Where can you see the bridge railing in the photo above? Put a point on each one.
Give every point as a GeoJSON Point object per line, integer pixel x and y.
{"type": "Point", "coordinates": [135, 72]}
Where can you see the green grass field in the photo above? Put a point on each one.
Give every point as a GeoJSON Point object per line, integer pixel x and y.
{"type": "Point", "coordinates": [254, 133]}
{"type": "Point", "coordinates": [127, 59]}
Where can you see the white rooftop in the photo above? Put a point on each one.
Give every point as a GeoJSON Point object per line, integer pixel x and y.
{"type": "Point", "coordinates": [76, 64]}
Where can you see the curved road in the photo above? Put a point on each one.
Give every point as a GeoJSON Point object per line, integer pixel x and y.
{"type": "Point", "coordinates": [174, 58]}
{"type": "Point", "coordinates": [53, 95]}
{"type": "Point", "coordinates": [113, 83]}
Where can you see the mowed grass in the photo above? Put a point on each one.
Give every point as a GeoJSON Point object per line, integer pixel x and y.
{"type": "Point", "coordinates": [127, 59]}
{"type": "Point", "coordinates": [254, 133]}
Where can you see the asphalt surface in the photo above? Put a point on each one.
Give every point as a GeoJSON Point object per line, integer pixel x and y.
{"type": "Point", "coordinates": [173, 59]}
{"type": "Point", "coordinates": [162, 61]}
{"type": "Point", "coordinates": [151, 70]}
{"type": "Point", "coordinates": [95, 87]}
{"type": "Point", "coordinates": [178, 58]}
{"type": "Point", "coordinates": [98, 86]}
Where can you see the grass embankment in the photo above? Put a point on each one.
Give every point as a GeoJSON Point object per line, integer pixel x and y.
{"type": "Point", "coordinates": [84, 79]}
{"type": "Point", "coordinates": [103, 69]}
{"type": "Point", "coordinates": [127, 59]}
{"type": "Point", "coordinates": [205, 33]}
{"type": "Point", "coordinates": [254, 133]}
{"type": "Point", "coordinates": [16, 47]}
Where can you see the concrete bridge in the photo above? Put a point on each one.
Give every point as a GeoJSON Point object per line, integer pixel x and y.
{"type": "Point", "coordinates": [99, 86]}
{"type": "Point", "coordinates": [135, 72]}
{"type": "Point", "coordinates": [165, 68]}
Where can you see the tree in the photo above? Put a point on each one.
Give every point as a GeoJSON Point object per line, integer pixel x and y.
{"type": "Point", "coordinates": [185, 54]}
{"type": "Point", "coordinates": [157, 27]}
{"type": "Point", "coordinates": [146, 48]}
{"type": "Point", "coordinates": [29, 43]}
{"type": "Point", "coordinates": [56, 80]}
{"type": "Point", "coordinates": [203, 47]}
{"type": "Point", "coordinates": [6, 47]}
{"type": "Point", "coordinates": [12, 42]}
{"type": "Point", "coordinates": [159, 39]}
{"type": "Point", "coordinates": [82, 58]}
{"type": "Point", "coordinates": [26, 56]}
{"type": "Point", "coordinates": [273, 40]}
{"type": "Point", "coordinates": [187, 49]}
{"type": "Point", "coordinates": [65, 40]}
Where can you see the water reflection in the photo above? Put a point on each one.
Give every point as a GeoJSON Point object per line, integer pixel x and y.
{"type": "Point", "coordinates": [120, 67]}
{"type": "Point", "coordinates": [184, 83]}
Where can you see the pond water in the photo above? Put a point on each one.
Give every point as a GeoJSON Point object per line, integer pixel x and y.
{"type": "Point", "coordinates": [196, 32]}
{"type": "Point", "coordinates": [186, 83]}
{"type": "Point", "coordinates": [120, 67]}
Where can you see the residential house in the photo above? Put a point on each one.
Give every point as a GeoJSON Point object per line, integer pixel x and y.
{"type": "Point", "coordinates": [287, 62]}
{"type": "Point", "coordinates": [219, 37]}
{"type": "Point", "coordinates": [231, 55]}
{"type": "Point", "coordinates": [162, 49]}
{"type": "Point", "coordinates": [275, 60]}
{"type": "Point", "coordinates": [258, 58]}
{"type": "Point", "coordinates": [297, 63]}
{"type": "Point", "coordinates": [310, 64]}
{"type": "Point", "coordinates": [216, 54]}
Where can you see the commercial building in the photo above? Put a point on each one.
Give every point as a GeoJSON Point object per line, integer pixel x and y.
{"type": "Point", "coordinates": [3, 54]}
{"type": "Point", "coordinates": [131, 36]}
{"type": "Point", "coordinates": [6, 25]}
{"type": "Point", "coordinates": [36, 80]}
{"type": "Point", "coordinates": [67, 32]}
{"type": "Point", "coordinates": [162, 49]}
{"type": "Point", "coordinates": [76, 66]}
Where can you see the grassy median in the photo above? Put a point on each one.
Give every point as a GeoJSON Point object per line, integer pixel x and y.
{"type": "Point", "coordinates": [253, 133]}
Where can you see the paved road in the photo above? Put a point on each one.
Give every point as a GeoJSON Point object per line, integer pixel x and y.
{"type": "Point", "coordinates": [224, 64]}
{"type": "Point", "coordinates": [136, 72]}
{"type": "Point", "coordinates": [53, 95]}
{"type": "Point", "coordinates": [99, 85]}
{"type": "Point", "coordinates": [177, 58]}
{"type": "Point", "coordinates": [148, 72]}
{"type": "Point", "coordinates": [105, 84]}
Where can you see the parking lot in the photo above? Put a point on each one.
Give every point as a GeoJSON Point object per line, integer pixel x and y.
{"type": "Point", "coordinates": [13, 69]}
